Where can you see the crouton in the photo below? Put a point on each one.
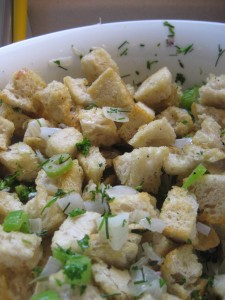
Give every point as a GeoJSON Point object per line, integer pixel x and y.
{"type": "Point", "coordinates": [20, 157]}
{"type": "Point", "coordinates": [209, 136]}
{"type": "Point", "coordinates": [213, 92]}
{"type": "Point", "coordinates": [93, 164]}
{"type": "Point", "coordinates": [8, 202]}
{"type": "Point", "coordinates": [156, 89]}
{"type": "Point", "coordinates": [6, 132]}
{"type": "Point", "coordinates": [119, 259]}
{"type": "Point", "coordinates": [74, 229]}
{"type": "Point", "coordinates": [160, 244]}
{"type": "Point", "coordinates": [99, 130]}
{"type": "Point", "coordinates": [204, 243]}
{"type": "Point", "coordinates": [156, 133]}
{"type": "Point", "coordinates": [201, 112]}
{"type": "Point", "coordinates": [16, 116]}
{"type": "Point", "coordinates": [78, 90]}
{"type": "Point", "coordinates": [183, 163]}
{"type": "Point", "coordinates": [139, 115]}
{"type": "Point", "coordinates": [179, 212]}
{"type": "Point", "coordinates": [54, 102]}
{"type": "Point", "coordinates": [179, 119]}
{"type": "Point", "coordinates": [112, 280]}
{"type": "Point", "coordinates": [19, 250]}
{"type": "Point", "coordinates": [140, 202]}
{"type": "Point", "coordinates": [141, 166]}
{"type": "Point", "coordinates": [110, 90]}
{"type": "Point", "coordinates": [64, 141]}
{"type": "Point", "coordinates": [209, 191]}
{"type": "Point", "coordinates": [96, 62]}
{"type": "Point", "coordinates": [19, 91]}
{"type": "Point", "coordinates": [181, 270]}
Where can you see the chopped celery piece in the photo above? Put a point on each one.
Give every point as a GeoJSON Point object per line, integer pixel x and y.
{"type": "Point", "coordinates": [16, 221]}
{"type": "Point", "coordinates": [57, 165]}
{"type": "Point", "coordinates": [189, 96]}
{"type": "Point", "coordinates": [198, 172]}
{"type": "Point", "coordinates": [46, 295]}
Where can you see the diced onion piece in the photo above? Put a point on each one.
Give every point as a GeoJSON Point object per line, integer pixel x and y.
{"type": "Point", "coordinates": [198, 172]}
{"type": "Point", "coordinates": [114, 229]}
{"type": "Point", "coordinates": [95, 206]}
{"type": "Point", "coordinates": [76, 51]}
{"type": "Point", "coordinates": [149, 252]}
{"type": "Point", "coordinates": [57, 165]}
{"type": "Point", "coordinates": [153, 224]}
{"type": "Point", "coordinates": [35, 225]}
{"type": "Point", "coordinates": [63, 62]}
{"type": "Point", "coordinates": [40, 156]}
{"type": "Point", "coordinates": [70, 202]}
{"type": "Point", "coordinates": [203, 229]}
{"type": "Point", "coordinates": [52, 266]}
{"type": "Point", "coordinates": [117, 114]}
{"type": "Point", "coordinates": [33, 129]}
{"type": "Point", "coordinates": [141, 262]}
{"type": "Point", "coordinates": [47, 132]}
{"type": "Point", "coordinates": [138, 215]}
{"type": "Point", "coordinates": [119, 191]}
{"type": "Point", "coordinates": [180, 143]}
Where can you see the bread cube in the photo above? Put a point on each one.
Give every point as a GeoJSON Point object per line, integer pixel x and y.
{"type": "Point", "coordinates": [19, 91]}
{"type": "Point", "coordinates": [204, 242]}
{"type": "Point", "coordinates": [141, 166]}
{"type": "Point", "coordinates": [64, 141]}
{"type": "Point", "coordinates": [99, 130]}
{"type": "Point", "coordinates": [96, 62]}
{"type": "Point", "coordinates": [200, 112]}
{"type": "Point", "coordinates": [179, 212]}
{"type": "Point", "coordinates": [6, 132]}
{"type": "Point", "coordinates": [109, 90]}
{"type": "Point", "coordinates": [156, 89]}
{"type": "Point", "coordinates": [16, 117]}
{"type": "Point", "coordinates": [179, 119]}
{"type": "Point", "coordinates": [54, 102]}
{"type": "Point", "coordinates": [93, 164]}
{"type": "Point", "coordinates": [78, 90]}
{"type": "Point", "coordinates": [182, 271]}
{"type": "Point", "coordinates": [213, 92]}
{"type": "Point", "coordinates": [209, 136]}
{"type": "Point", "coordinates": [8, 202]}
{"type": "Point", "coordinates": [209, 191]}
{"type": "Point", "coordinates": [20, 157]}
{"type": "Point", "coordinates": [139, 115]}
{"type": "Point", "coordinates": [19, 250]}
{"type": "Point", "coordinates": [156, 133]}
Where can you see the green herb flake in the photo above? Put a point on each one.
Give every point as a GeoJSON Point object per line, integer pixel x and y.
{"type": "Point", "coordinates": [195, 295]}
{"type": "Point", "coordinates": [185, 122]}
{"type": "Point", "coordinates": [184, 280]}
{"type": "Point", "coordinates": [8, 181]}
{"type": "Point", "coordinates": [84, 242]}
{"type": "Point", "coordinates": [180, 78]}
{"type": "Point", "coordinates": [142, 45]}
{"type": "Point", "coordinates": [84, 146]}
{"type": "Point", "coordinates": [149, 220]}
{"type": "Point", "coordinates": [58, 63]}
{"type": "Point", "coordinates": [197, 173]}
{"type": "Point", "coordinates": [139, 187]}
{"type": "Point", "coordinates": [124, 76]}
{"type": "Point", "coordinates": [162, 282]}
{"type": "Point", "coordinates": [150, 63]}
{"type": "Point", "coordinates": [1, 101]}
{"type": "Point", "coordinates": [76, 212]}
{"type": "Point", "coordinates": [189, 241]}
{"type": "Point", "coordinates": [181, 64]}
{"type": "Point", "coordinates": [184, 50]}
{"type": "Point", "coordinates": [137, 72]}
{"type": "Point", "coordinates": [124, 52]}
{"type": "Point", "coordinates": [171, 28]}
{"type": "Point", "coordinates": [37, 271]}
{"type": "Point", "coordinates": [24, 192]}
{"type": "Point", "coordinates": [189, 97]}
{"type": "Point", "coordinates": [220, 53]}
{"type": "Point", "coordinates": [58, 194]}
{"type": "Point", "coordinates": [58, 282]}
{"type": "Point", "coordinates": [123, 44]}
{"type": "Point", "coordinates": [90, 106]}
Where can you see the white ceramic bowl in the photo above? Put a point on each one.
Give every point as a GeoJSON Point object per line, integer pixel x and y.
{"type": "Point", "coordinates": [207, 40]}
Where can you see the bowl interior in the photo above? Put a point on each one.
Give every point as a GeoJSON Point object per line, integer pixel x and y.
{"type": "Point", "coordinates": [139, 47]}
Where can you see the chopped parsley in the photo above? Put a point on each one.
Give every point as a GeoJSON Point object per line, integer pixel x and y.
{"type": "Point", "coordinates": [8, 182]}
{"type": "Point", "coordinates": [126, 75]}
{"type": "Point", "coordinates": [90, 106]}
{"type": "Point", "coordinates": [107, 296]}
{"type": "Point", "coordinates": [76, 212]}
{"type": "Point", "coordinates": [139, 187]}
{"type": "Point", "coordinates": [162, 282]}
{"type": "Point", "coordinates": [84, 242]}
{"type": "Point", "coordinates": [123, 44]}
{"type": "Point", "coordinates": [181, 64]}
{"type": "Point", "coordinates": [171, 28]}
{"type": "Point", "coordinates": [150, 63]}
{"type": "Point", "coordinates": [84, 146]}
{"type": "Point", "coordinates": [189, 96]}
{"type": "Point", "coordinates": [58, 63]}
{"type": "Point", "coordinates": [102, 191]}
{"type": "Point", "coordinates": [105, 220]}
{"type": "Point", "coordinates": [195, 295]}
{"type": "Point", "coordinates": [184, 50]}
{"type": "Point", "coordinates": [24, 192]}
{"type": "Point", "coordinates": [142, 45]}
{"type": "Point", "coordinates": [124, 52]}
{"type": "Point", "coordinates": [180, 78]}
{"type": "Point", "coordinates": [220, 53]}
